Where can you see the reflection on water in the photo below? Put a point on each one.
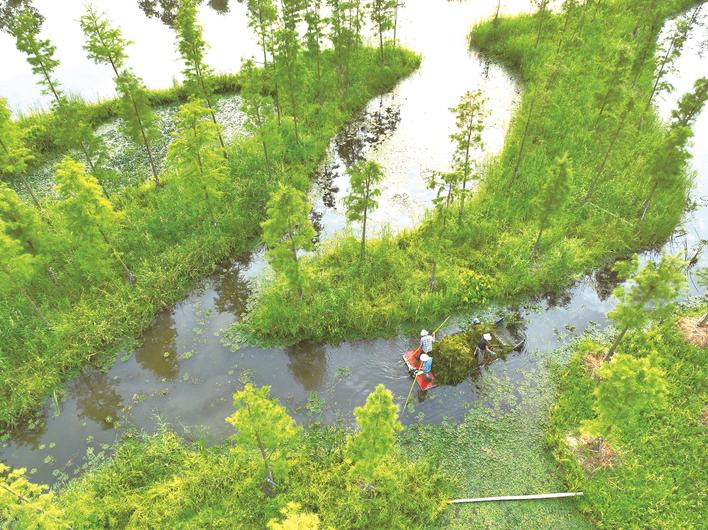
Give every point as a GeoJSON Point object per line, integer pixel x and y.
{"type": "Point", "coordinates": [158, 352]}
{"type": "Point", "coordinates": [232, 290]}
{"type": "Point", "coordinates": [96, 397]}
{"type": "Point", "coordinates": [308, 364]}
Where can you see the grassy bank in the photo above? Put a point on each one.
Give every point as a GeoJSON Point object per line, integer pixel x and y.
{"type": "Point", "coordinates": [163, 482]}
{"type": "Point", "coordinates": [487, 252]}
{"type": "Point", "coordinates": [656, 477]}
{"type": "Point", "coordinates": [168, 242]}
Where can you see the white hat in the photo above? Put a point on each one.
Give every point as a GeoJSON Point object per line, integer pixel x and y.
{"type": "Point", "coordinates": [487, 336]}
{"type": "Point", "coordinates": [425, 357]}
{"type": "Point", "coordinates": [423, 333]}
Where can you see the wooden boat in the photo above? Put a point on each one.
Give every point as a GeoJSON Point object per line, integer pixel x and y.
{"type": "Point", "coordinates": [424, 384]}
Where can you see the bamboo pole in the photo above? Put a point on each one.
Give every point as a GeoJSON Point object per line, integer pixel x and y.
{"type": "Point", "coordinates": [519, 497]}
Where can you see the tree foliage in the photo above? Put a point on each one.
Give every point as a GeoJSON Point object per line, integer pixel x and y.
{"type": "Point", "coordinates": [629, 386]}
{"type": "Point", "coordinates": [27, 505]}
{"type": "Point", "coordinates": [263, 426]}
{"type": "Point", "coordinates": [364, 177]}
{"type": "Point", "coordinates": [648, 293]}
{"type": "Point", "coordinates": [287, 231]}
{"type": "Point", "coordinates": [375, 441]}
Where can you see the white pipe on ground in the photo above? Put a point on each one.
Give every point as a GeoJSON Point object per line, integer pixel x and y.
{"type": "Point", "coordinates": [519, 497]}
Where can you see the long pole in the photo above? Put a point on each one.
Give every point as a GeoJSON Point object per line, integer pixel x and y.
{"type": "Point", "coordinates": [519, 497]}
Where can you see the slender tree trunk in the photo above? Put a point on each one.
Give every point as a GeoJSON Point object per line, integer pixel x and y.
{"type": "Point", "coordinates": [540, 22]}
{"type": "Point", "coordinates": [534, 252]}
{"type": "Point", "coordinates": [128, 273]}
{"type": "Point", "coordinates": [601, 167]}
{"type": "Point", "coordinates": [496, 14]}
{"type": "Point", "coordinates": [202, 85]}
{"type": "Point", "coordinates": [647, 201]}
{"type": "Point", "coordinates": [36, 309]}
{"type": "Point", "coordinates": [381, 49]}
{"type": "Point", "coordinates": [467, 172]}
{"type": "Point", "coordinates": [204, 188]}
{"type": "Point", "coordinates": [293, 103]}
{"type": "Point", "coordinates": [523, 142]}
{"type": "Point", "coordinates": [293, 249]}
{"type": "Point", "coordinates": [433, 278]}
{"type": "Point", "coordinates": [615, 344]}
{"type": "Point", "coordinates": [145, 140]}
{"type": "Point", "coordinates": [26, 183]}
{"type": "Point", "coordinates": [395, 23]}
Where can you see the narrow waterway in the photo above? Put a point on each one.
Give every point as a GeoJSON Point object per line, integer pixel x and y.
{"type": "Point", "coordinates": [182, 374]}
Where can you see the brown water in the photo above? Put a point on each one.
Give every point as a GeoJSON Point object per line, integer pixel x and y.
{"type": "Point", "coordinates": [183, 376]}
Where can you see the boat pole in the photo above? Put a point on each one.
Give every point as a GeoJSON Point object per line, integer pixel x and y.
{"type": "Point", "coordinates": [415, 377]}
{"type": "Point", "coordinates": [519, 497]}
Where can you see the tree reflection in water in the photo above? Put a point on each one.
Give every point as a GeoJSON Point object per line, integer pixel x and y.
{"type": "Point", "coordinates": [96, 398]}
{"type": "Point", "coordinates": [307, 362]}
{"type": "Point", "coordinates": [158, 352]}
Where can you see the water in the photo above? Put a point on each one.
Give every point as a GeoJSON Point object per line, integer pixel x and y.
{"type": "Point", "coordinates": [183, 376]}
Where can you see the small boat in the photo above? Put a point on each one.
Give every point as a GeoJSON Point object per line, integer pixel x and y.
{"type": "Point", "coordinates": [409, 358]}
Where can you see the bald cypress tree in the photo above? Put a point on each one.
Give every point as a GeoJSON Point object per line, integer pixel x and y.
{"type": "Point", "coordinates": [106, 45]}
{"type": "Point", "coordinates": [89, 220]}
{"type": "Point", "coordinates": [258, 109]}
{"type": "Point", "coordinates": [194, 159]}
{"type": "Point", "coordinates": [72, 130]}
{"type": "Point", "coordinates": [552, 197]}
{"type": "Point", "coordinates": [192, 47]}
{"type": "Point", "coordinates": [14, 155]}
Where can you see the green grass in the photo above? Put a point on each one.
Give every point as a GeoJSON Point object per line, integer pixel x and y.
{"type": "Point", "coordinates": [659, 480]}
{"type": "Point", "coordinates": [168, 247]}
{"type": "Point", "coordinates": [487, 257]}
{"type": "Point", "coordinates": [500, 449]}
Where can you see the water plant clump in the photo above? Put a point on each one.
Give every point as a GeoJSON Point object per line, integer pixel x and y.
{"type": "Point", "coordinates": [455, 357]}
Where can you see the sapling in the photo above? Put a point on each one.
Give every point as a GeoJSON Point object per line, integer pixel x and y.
{"type": "Point", "coordinates": [262, 15]}
{"type": "Point", "coordinates": [263, 425]}
{"type": "Point", "coordinates": [14, 155]}
{"type": "Point", "coordinates": [287, 231]}
{"type": "Point", "coordinates": [287, 46]}
{"type": "Point", "coordinates": [192, 48]}
{"type": "Point", "coordinates": [89, 218]}
{"type": "Point", "coordinates": [365, 178]}
{"type": "Point", "coordinates": [382, 17]}
{"type": "Point", "coordinates": [193, 158]}
{"type": "Point", "coordinates": [106, 45]}
{"type": "Point", "coordinates": [628, 388]}
{"type": "Point", "coordinates": [648, 293]}
{"type": "Point", "coordinates": [257, 108]}
{"type": "Point", "coordinates": [314, 35]}
{"type": "Point", "coordinates": [378, 424]}
{"type": "Point", "coordinates": [552, 196]}
{"type": "Point", "coordinates": [470, 114]}
{"type": "Point", "coordinates": [71, 128]}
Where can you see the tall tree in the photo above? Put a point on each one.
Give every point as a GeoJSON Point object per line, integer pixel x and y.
{"type": "Point", "coordinates": [262, 15]}
{"type": "Point", "coordinates": [194, 159]}
{"type": "Point", "coordinates": [313, 42]}
{"type": "Point", "coordinates": [628, 388]}
{"type": "Point", "coordinates": [375, 442]}
{"type": "Point", "coordinates": [469, 124]}
{"type": "Point", "coordinates": [23, 224]}
{"type": "Point", "coordinates": [106, 45]}
{"type": "Point", "coordinates": [288, 51]}
{"type": "Point", "coordinates": [89, 218]}
{"type": "Point", "coordinates": [667, 164]}
{"type": "Point", "coordinates": [647, 293]}
{"type": "Point", "coordinates": [382, 17]}
{"type": "Point", "coordinates": [14, 155]}
{"type": "Point", "coordinates": [542, 8]}
{"type": "Point", "coordinates": [72, 130]}
{"type": "Point", "coordinates": [364, 177]}
{"type": "Point", "coordinates": [257, 108]}
{"type": "Point", "coordinates": [447, 187]}
{"type": "Point", "coordinates": [18, 268]}
{"type": "Point", "coordinates": [262, 425]}
{"type": "Point", "coordinates": [553, 195]}
{"type": "Point", "coordinates": [288, 230]}
{"type": "Point", "coordinates": [192, 48]}
{"type": "Point", "coordinates": [672, 50]}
